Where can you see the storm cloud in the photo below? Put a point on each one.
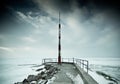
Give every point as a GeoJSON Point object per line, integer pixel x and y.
{"type": "Point", "coordinates": [89, 27]}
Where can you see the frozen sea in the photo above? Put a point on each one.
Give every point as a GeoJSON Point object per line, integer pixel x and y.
{"type": "Point", "coordinates": [14, 70]}
{"type": "Point", "coordinates": [107, 66]}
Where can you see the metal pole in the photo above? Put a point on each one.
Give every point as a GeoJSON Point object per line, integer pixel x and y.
{"type": "Point", "coordinates": [73, 60]}
{"type": "Point", "coordinates": [59, 42]}
{"type": "Point", "coordinates": [44, 60]}
{"type": "Point", "coordinates": [83, 64]}
{"type": "Point", "coordinates": [87, 66]}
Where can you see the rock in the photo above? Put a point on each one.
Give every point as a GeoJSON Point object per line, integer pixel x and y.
{"type": "Point", "coordinates": [31, 78]}
{"type": "Point", "coordinates": [44, 76]}
{"type": "Point", "coordinates": [38, 77]}
{"type": "Point", "coordinates": [33, 82]}
{"type": "Point", "coordinates": [51, 70]}
{"type": "Point", "coordinates": [25, 81]}
{"type": "Point", "coordinates": [42, 81]}
{"type": "Point", "coordinates": [39, 69]}
{"type": "Point", "coordinates": [42, 73]}
{"type": "Point", "coordinates": [18, 83]}
{"type": "Point", "coordinates": [47, 67]}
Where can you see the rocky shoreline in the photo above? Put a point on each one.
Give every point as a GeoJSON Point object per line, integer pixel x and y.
{"type": "Point", "coordinates": [47, 72]}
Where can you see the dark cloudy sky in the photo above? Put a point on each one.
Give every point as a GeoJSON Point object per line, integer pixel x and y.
{"type": "Point", "coordinates": [90, 28]}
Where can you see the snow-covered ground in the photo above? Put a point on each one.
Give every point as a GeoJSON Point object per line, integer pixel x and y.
{"type": "Point", "coordinates": [100, 79]}
{"type": "Point", "coordinates": [77, 79]}
{"type": "Point", "coordinates": [17, 69]}
{"type": "Point", "coordinates": [107, 66]}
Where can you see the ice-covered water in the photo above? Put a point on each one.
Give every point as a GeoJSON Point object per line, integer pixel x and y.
{"type": "Point", "coordinates": [108, 66]}
{"type": "Point", "coordinates": [13, 69]}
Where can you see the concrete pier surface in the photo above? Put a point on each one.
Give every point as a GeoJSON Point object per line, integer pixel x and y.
{"type": "Point", "coordinates": [66, 74]}
{"type": "Point", "coordinates": [85, 76]}
{"type": "Point", "coordinates": [70, 73]}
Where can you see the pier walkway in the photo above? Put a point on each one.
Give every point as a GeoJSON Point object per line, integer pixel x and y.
{"type": "Point", "coordinates": [66, 75]}
{"type": "Point", "coordinates": [72, 71]}
{"type": "Point", "coordinates": [69, 71]}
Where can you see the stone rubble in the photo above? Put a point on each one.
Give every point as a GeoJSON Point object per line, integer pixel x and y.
{"type": "Point", "coordinates": [42, 77]}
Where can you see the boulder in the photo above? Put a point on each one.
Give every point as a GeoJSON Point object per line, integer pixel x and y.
{"type": "Point", "coordinates": [33, 82]}
{"type": "Point", "coordinates": [31, 78]}
{"type": "Point", "coordinates": [25, 81]}
{"type": "Point", "coordinates": [39, 69]}
{"type": "Point", "coordinates": [47, 67]}
{"type": "Point", "coordinates": [44, 76]}
{"type": "Point", "coordinates": [18, 83]}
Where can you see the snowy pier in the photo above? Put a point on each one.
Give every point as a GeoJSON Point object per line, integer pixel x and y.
{"type": "Point", "coordinates": [69, 71]}
{"type": "Point", "coordinates": [72, 71]}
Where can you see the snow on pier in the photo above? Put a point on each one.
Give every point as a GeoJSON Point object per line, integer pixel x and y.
{"type": "Point", "coordinates": [74, 70]}
{"type": "Point", "coordinates": [68, 74]}
{"type": "Point", "coordinates": [70, 71]}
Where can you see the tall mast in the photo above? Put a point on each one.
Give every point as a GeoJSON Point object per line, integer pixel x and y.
{"type": "Point", "coordinates": [59, 42]}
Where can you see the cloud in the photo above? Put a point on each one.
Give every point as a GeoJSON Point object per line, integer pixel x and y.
{"type": "Point", "coordinates": [54, 5]}
{"type": "Point", "coordinates": [32, 51]}
{"type": "Point", "coordinates": [110, 38]}
{"type": "Point", "coordinates": [86, 27]}
{"type": "Point", "coordinates": [2, 36]}
{"type": "Point", "coordinates": [78, 32]}
{"type": "Point", "coordinates": [6, 49]}
{"type": "Point", "coordinates": [29, 39]}
{"type": "Point", "coordinates": [28, 19]}
{"type": "Point", "coordinates": [103, 41]}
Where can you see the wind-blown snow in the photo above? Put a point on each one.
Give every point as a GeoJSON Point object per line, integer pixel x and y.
{"type": "Point", "coordinates": [15, 72]}
{"type": "Point", "coordinates": [99, 79]}
{"type": "Point", "coordinates": [76, 80]}
{"type": "Point", "coordinates": [50, 81]}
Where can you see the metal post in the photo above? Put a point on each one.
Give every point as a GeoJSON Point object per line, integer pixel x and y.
{"type": "Point", "coordinates": [87, 66]}
{"type": "Point", "coordinates": [44, 60]}
{"type": "Point", "coordinates": [83, 64]}
{"type": "Point", "coordinates": [59, 42]}
{"type": "Point", "coordinates": [80, 63]}
{"type": "Point", "coordinates": [73, 60]}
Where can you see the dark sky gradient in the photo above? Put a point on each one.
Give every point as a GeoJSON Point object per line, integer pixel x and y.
{"type": "Point", "coordinates": [90, 7]}
{"type": "Point", "coordinates": [63, 5]}
{"type": "Point", "coordinates": [90, 21]}
{"type": "Point", "coordinates": [8, 7]}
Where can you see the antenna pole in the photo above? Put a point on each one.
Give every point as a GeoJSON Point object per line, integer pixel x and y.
{"type": "Point", "coordinates": [59, 42]}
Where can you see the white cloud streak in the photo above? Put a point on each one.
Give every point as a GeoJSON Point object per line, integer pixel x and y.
{"type": "Point", "coordinates": [28, 19]}
{"type": "Point", "coordinates": [6, 49]}
{"type": "Point", "coordinates": [29, 39]}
